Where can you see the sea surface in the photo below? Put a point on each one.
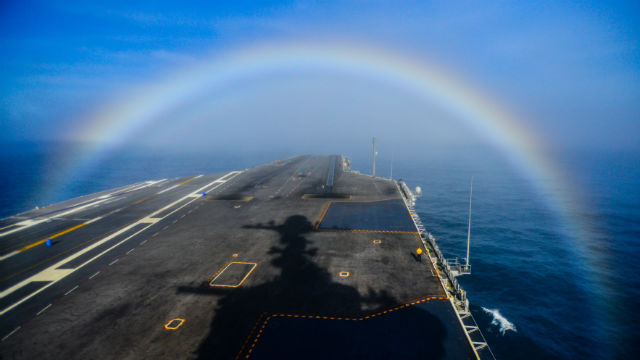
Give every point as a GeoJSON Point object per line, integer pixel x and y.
{"type": "Point", "coordinates": [541, 287]}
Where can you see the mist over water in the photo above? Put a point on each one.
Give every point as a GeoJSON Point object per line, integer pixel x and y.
{"type": "Point", "coordinates": [525, 267]}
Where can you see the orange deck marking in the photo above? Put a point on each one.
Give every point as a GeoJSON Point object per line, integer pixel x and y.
{"type": "Point", "coordinates": [225, 267]}
{"type": "Point", "coordinates": [52, 237]}
{"type": "Point", "coordinates": [323, 212]}
{"type": "Point", "coordinates": [355, 318]}
{"type": "Point", "coordinates": [174, 324]}
{"type": "Point", "coordinates": [186, 181]}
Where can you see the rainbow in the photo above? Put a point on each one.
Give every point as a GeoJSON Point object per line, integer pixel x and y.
{"type": "Point", "coordinates": [114, 124]}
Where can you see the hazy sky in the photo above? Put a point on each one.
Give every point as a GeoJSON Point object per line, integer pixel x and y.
{"type": "Point", "coordinates": [570, 69]}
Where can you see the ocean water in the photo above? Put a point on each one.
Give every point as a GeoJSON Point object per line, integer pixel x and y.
{"type": "Point", "coordinates": [531, 289]}
{"type": "Point", "coordinates": [537, 290]}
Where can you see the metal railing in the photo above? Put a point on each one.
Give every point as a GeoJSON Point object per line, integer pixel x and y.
{"type": "Point", "coordinates": [451, 269]}
{"type": "Point", "coordinates": [458, 268]}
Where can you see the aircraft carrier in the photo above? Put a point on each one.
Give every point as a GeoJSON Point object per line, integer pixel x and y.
{"type": "Point", "coordinates": [298, 258]}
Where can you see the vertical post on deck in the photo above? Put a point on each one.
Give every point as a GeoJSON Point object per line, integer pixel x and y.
{"type": "Point", "coordinates": [469, 230]}
{"type": "Point", "coordinates": [373, 156]}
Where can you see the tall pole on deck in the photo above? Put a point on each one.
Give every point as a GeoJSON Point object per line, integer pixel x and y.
{"type": "Point", "coordinates": [373, 155]}
{"type": "Point", "coordinates": [469, 230]}
{"type": "Point", "coordinates": [391, 168]}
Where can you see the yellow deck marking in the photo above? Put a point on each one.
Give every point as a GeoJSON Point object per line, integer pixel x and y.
{"type": "Point", "coordinates": [355, 318]}
{"type": "Point", "coordinates": [323, 213]}
{"type": "Point", "coordinates": [224, 267]}
{"type": "Point", "coordinates": [53, 257]}
{"type": "Point", "coordinates": [52, 274]}
{"type": "Point", "coordinates": [175, 326]}
{"type": "Point", "coordinates": [143, 199]}
{"type": "Point", "coordinates": [52, 237]}
{"type": "Point", "coordinates": [186, 181]}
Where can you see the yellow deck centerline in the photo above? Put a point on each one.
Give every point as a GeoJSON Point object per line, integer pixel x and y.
{"type": "Point", "coordinates": [186, 181]}
{"type": "Point", "coordinates": [52, 237]}
{"type": "Point", "coordinates": [53, 275]}
{"type": "Point", "coordinates": [143, 199]}
{"type": "Point", "coordinates": [53, 257]}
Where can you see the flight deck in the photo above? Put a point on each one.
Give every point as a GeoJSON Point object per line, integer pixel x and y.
{"type": "Point", "coordinates": [298, 258]}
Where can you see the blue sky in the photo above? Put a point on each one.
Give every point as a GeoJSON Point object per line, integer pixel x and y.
{"type": "Point", "coordinates": [571, 68]}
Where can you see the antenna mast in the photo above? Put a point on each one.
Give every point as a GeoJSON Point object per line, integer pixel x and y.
{"type": "Point", "coordinates": [374, 157]}
{"type": "Point", "coordinates": [391, 168]}
{"type": "Point", "coordinates": [469, 230]}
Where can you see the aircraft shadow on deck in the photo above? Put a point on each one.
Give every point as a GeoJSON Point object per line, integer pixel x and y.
{"type": "Point", "coordinates": [304, 288]}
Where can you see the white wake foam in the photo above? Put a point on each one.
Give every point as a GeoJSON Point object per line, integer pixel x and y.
{"type": "Point", "coordinates": [500, 321]}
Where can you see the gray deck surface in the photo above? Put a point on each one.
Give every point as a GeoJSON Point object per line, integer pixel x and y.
{"type": "Point", "coordinates": [127, 261]}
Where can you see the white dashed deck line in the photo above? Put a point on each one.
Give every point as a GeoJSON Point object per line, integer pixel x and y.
{"type": "Point", "coordinates": [70, 291]}
{"type": "Point", "coordinates": [11, 333]}
{"type": "Point", "coordinates": [43, 310]}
